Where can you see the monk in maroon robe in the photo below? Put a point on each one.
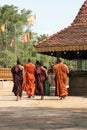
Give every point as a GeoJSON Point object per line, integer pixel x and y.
{"type": "Point", "coordinates": [40, 76]}
{"type": "Point", "coordinates": [17, 72]}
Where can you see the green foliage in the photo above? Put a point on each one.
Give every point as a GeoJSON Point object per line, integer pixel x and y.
{"type": "Point", "coordinates": [15, 22]}
{"type": "Point", "coordinates": [42, 37]}
{"type": "Point", "coordinates": [7, 58]}
{"type": "Point", "coordinates": [72, 64]}
{"type": "Point", "coordinates": [16, 26]}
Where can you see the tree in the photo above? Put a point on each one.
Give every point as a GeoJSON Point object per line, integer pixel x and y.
{"type": "Point", "coordinates": [11, 45]}
{"type": "Point", "coordinates": [15, 23]}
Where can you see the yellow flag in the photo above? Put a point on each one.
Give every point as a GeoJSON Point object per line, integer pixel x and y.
{"type": "Point", "coordinates": [31, 20]}
{"type": "Point", "coordinates": [3, 27]}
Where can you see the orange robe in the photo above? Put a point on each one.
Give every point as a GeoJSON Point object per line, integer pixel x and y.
{"type": "Point", "coordinates": [29, 79]}
{"type": "Point", "coordinates": [61, 71]}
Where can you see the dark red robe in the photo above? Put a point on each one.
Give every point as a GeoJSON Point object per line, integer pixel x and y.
{"type": "Point", "coordinates": [40, 76]}
{"type": "Point", "coordinates": [17, 79]}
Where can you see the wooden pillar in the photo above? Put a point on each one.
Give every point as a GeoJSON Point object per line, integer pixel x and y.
{"type": "Point", "coordinates": [79, 64]}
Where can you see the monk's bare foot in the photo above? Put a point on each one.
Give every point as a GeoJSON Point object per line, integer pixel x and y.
{"type": "Point", "coordinates": [33, 96]}
{"type": "Point", "coordinates": [29, 96]}
{"type": "Point", "coordinates": [42, 97]}
{"type": "Point", "coordinates": [61, 98]}
{"type": "Point", "coordinates": [17, 98]}
{"type": "Point", "coordinates": [20, 98]}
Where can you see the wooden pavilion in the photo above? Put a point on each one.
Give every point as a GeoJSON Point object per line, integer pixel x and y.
{"type": "Point", "coordinates": [70, 43]}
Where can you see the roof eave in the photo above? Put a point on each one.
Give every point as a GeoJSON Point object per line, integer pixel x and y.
{"type": "Point", "coordinates": [61, 48]}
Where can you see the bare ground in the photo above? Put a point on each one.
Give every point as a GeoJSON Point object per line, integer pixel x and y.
{"type": "Point", "coordinates": [35, 114]}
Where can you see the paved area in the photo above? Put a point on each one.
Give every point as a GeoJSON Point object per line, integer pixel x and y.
{"type": "Point", "coordinates": [35, 114]}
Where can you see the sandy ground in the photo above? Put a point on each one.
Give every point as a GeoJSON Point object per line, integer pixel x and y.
{"type": "Point", "coordinates": [7, 99]}
{"type": "Point", "coordinates": [35, 114]}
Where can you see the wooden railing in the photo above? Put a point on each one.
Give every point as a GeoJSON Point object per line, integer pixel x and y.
{"type": "Point", "coordinates": [5, 74]}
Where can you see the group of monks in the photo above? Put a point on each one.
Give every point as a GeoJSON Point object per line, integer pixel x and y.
{"type": "Point", "coordinates": [31, 78]}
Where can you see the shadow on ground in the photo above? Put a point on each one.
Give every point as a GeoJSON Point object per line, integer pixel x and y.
{"type": "Point", "coordinates": [30, 118]}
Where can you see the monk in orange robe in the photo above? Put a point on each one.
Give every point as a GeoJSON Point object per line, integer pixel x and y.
{"type": "Point", "coordinates": [29, 78]}
{"type": "Point", "coordinates": [61, 71]}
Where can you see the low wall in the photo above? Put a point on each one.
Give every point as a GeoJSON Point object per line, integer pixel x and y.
{"type": "Point", "coordinates": [6, 84]}
{"type": "Point", "coordinates": [5, 74]}
{"type": "Point", "coordinates": [78, 83]}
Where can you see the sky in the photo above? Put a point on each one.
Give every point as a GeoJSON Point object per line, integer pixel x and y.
{"type": "Point", "coordinates": [51, 15]}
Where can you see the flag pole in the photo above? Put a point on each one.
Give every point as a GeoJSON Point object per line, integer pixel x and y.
{"type": "Point", "coordinates": [15, 46]}
{"type": "Point", "coordinates": [23, 54]}
{"type": "Point", "coordinates": [6, 47]}
{"type": "Point", "coordinates": [6, 35]}
{"type": "Point", "coordinates": [30, 46]}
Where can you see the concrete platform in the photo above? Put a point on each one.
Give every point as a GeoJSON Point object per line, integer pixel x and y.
{"type": "Point", "coordinates": [35, 114]}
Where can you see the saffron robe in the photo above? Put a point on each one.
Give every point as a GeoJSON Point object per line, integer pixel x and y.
{"type": "Point", "coordinates": [29, 79]}
{"type": "Point", "coordinates": [61, 71]}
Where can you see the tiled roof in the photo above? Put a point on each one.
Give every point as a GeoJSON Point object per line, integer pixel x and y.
{"type": "Point", "coordinates": [72, 38]}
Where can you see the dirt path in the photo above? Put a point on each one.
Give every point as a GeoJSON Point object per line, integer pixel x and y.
{"type": "Point", "coordinates": [7, 99]}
